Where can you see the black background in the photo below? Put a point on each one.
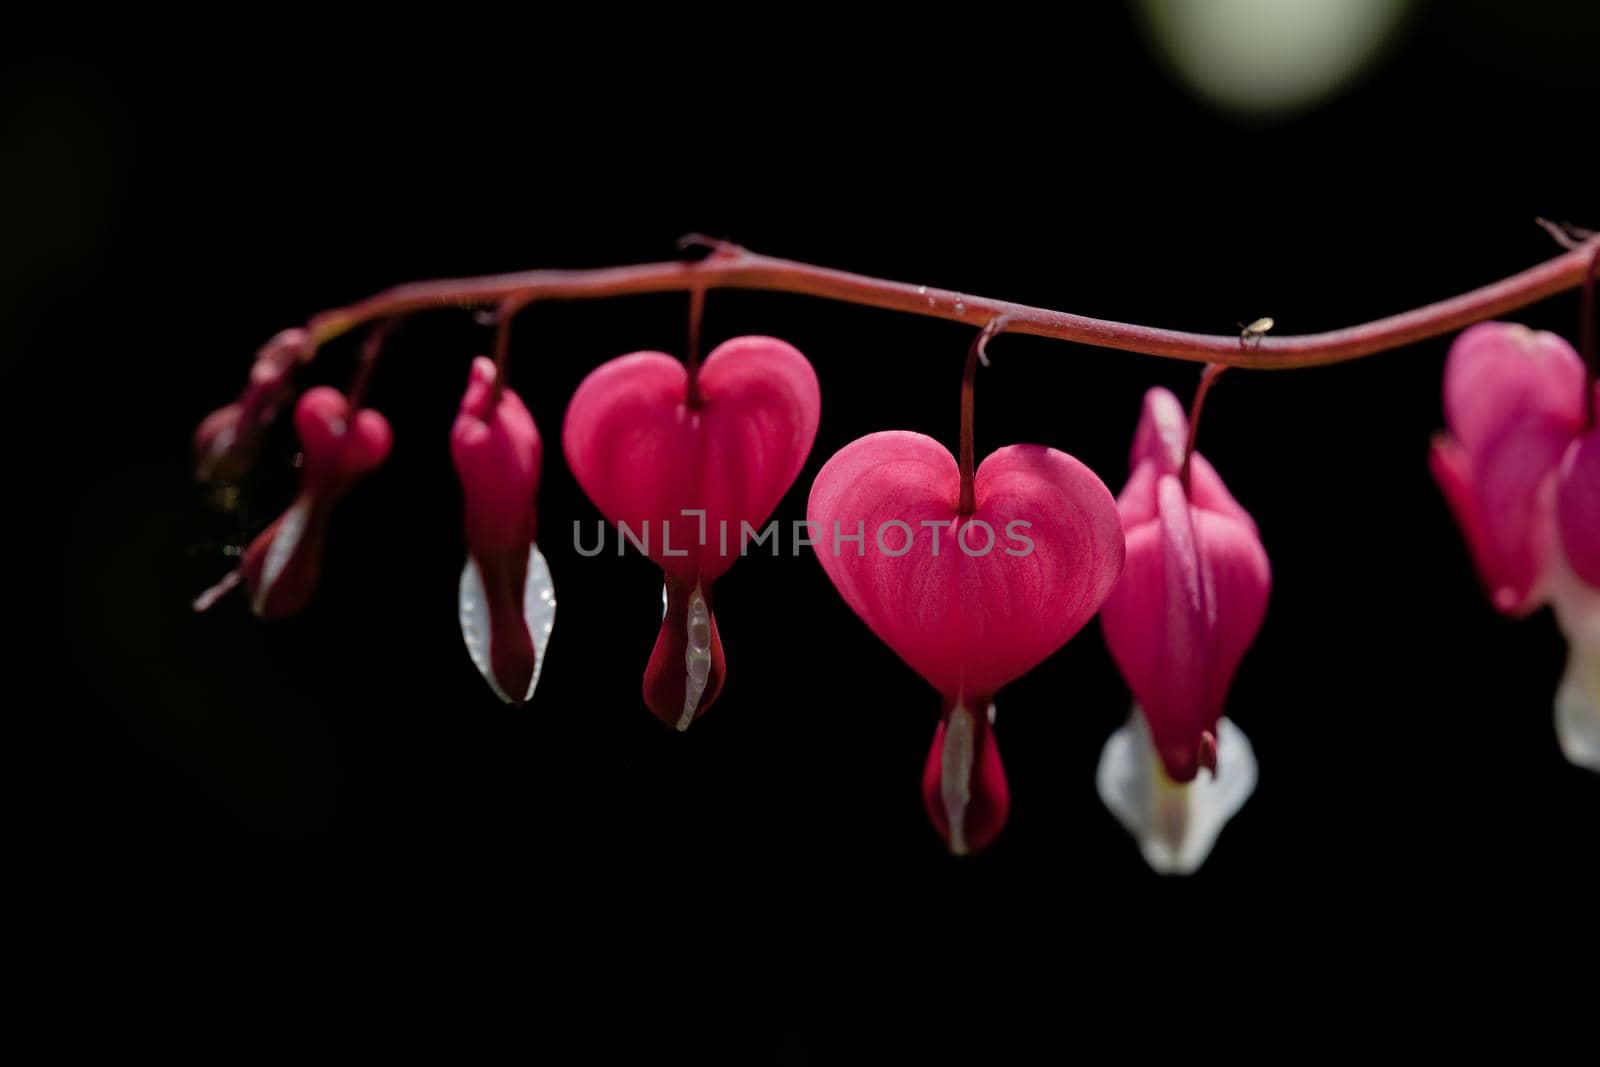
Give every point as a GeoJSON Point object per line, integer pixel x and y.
{"type": "Point", "coordinates": [344, 778]}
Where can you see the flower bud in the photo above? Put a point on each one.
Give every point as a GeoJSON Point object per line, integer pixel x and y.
{"type": "Point", "coordinates": [506, 602]}
{"type": "Point", "coordinates": [281, 567]}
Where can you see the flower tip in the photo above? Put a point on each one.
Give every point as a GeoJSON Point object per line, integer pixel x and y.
{"type": "Point", "coordinates": [480, 388]}
{"type": "Point", "coordinates": [1208, 751]}
{"type": "Point", "coordinates": [1163, 432]}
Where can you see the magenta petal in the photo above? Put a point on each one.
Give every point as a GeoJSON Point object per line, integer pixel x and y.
{"type": "Point", "coordinates": [1137, 502]}
{"type": "Point", "coordinates": [1501, 372]}
{"type": "Point", "coordinates": [1163, 432]}
{"type": "Point", "coordinates": [338, 447]}
{"type": "Point", "coordinates": [644, 456]}
{"type": "Point", "coordinates": [497, 457]}
{"type": "Point", "coordinates": [282, 565]}
{"type": "Point", "coordinates": [1514, 400]}
{"type": "Point", "coordinates": [1578, 506]}
{"type": "Point", "coordinates": [1207, 492]}
{"type": "Point", "coordinates": [1158, 448]}
{"type": "Point", "coordinates": [1191, 599]}
{"type": "Point", "coordinates": [1452, 469]}
{"type": "Point", "coordinates": [1042, 551]}
{"type": "Point", "coordinates": [1514, 481]}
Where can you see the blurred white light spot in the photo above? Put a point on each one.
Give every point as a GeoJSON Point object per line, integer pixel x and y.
{"type": "Point", "coordinates": [1270, 56]}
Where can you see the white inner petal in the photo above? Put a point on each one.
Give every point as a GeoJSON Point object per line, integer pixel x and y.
{"type": "Point", "coordinates": [696, 657]}
{"type": "Point", "coordinates": [1175, 824]}
{"type": "Point", "coordinates": [955, 775]}
{"type": "Point", "coordinates": [1578, 708]}
{"type": "Point", "coordinates": [538, 612]}
{"type": "Point", "coordinates": [1577, 608]}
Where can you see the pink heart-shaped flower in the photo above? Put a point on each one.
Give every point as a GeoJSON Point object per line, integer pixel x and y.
{"type": "Point", "coordinates": [281, 567]}
{"type": "Point", "coordinates": [685, 479]}
{"type": "Point", "coordinates": [970, 602]}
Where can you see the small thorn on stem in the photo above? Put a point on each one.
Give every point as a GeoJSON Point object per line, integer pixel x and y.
{"type": "Point", "coordinates": [979, 352]}
{"type": "Point", "coordinates": [1565, 234]}
{"type": "Point", "coordinates": [712, 246]}
{"type": "Point", "coordinates": [1212, 372]}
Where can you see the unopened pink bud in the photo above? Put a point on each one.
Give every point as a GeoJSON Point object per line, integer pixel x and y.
{"type": "Point", "coordinates": [1192, 593]}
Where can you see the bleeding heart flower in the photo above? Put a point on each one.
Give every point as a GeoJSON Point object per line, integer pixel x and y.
{"type": "Point", "coordinates": [694, 473]}
{"type": "Point", "coordinates": [970, 600]}
{"type": "Point", "coordinates": [1189, 603]}
{"type": "Point", "coordinates": [228, 439]}
{"type": "Point", "coordinates": [1520, 469]}
{"type": "Point", "coordinates": [281, 566]}
{"type": "Point", "coordinates": [507, 601]}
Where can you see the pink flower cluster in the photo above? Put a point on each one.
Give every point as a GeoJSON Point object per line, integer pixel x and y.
{"type": "Point", "coordinates": [1175, 567]}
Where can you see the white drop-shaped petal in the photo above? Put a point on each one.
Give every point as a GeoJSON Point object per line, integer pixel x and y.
{"type": "Point", "coordinates": [1175, 824]}
{"type": "Point", "coordinates": [538, 612]}
{"type": "Point", "coordinates": [1578, 699]}
{"type": "Point", "coordinates": [1578, 708]}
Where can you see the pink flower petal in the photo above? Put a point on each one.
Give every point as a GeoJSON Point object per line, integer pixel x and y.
{"type": "Point", "coordinates": [1578, 506]}
{"type": "Point", "coordinates": [1499, 372]}
{"type": "Point", "coordinates": [966, 619]}
{"type": "Point", "coordinates": [1190, 601]}
{"type": "Point", "coordinates": [1452, 470]}
{"type": "Point", "coordinates": [338, 448]}
{"type": "Point", "coordinates": [643, 456]}
{"type": "Point", "coordinates": [1514, 486]}
{"type": "Point", "coordinates": [1162, 434]}
{"type": "Point", "coordinates": [1158, 447]}
{"type": "Point", "coordinates": [497, 459]}
{"type": "Point", "coordinates": [282, 565]}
